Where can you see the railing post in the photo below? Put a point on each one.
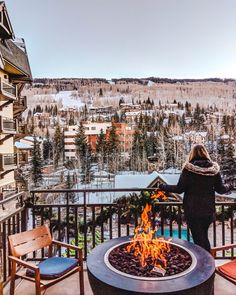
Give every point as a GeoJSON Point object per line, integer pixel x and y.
{"type": "Point", "coordinates": [85, 226]}
{"type": "Point", "coordinates": [67, 220]}
{"type": "Point", "coordinates": [1, 265]}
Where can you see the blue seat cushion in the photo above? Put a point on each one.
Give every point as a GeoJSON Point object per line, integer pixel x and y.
{"type": "Point", "coordinates": [54, 267]}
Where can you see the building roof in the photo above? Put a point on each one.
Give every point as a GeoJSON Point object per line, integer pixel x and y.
{"type": "Point", "coordinates": [13, 53]}
{"type": "Point", "coordinates": [6, 30]}
{"type": "Point", "coordinates": [134, 180]}
{"type": "Point", "coordinates": [16, 57]}
{"type": "Point", "coordinates": [23, 146]}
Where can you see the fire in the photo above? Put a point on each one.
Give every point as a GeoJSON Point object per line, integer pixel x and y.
{"type": "Point", "coordinates": [145, 245]}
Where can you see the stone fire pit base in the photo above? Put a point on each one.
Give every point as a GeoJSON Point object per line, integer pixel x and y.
{"type": "Point", "coordinates": [104, 281]}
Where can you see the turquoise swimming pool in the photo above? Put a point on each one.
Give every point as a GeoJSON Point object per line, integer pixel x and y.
{"type": "Point", "coordinates": [175, 233]}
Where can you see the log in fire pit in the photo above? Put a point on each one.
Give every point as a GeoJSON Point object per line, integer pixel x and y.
{"type": "Point", "coordinates": [113, 270]}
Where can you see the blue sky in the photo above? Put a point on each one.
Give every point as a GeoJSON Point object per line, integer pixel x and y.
{"type": "Point", "coordinates": [128, 38]}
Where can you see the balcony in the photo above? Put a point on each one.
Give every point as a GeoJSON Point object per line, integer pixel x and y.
{"type": "Point", "coordinates": [8, 162]}
{"type": "Point", "coordinates": [21, 131]}
{"type": "Point", "coordinates": [7, 125]}
{"type": "Point", "coordinates": [64, 217]}
{"type": "Point", "coordinates": [7, 91]}
{"type": "Point", "coordinates": [19, 106]}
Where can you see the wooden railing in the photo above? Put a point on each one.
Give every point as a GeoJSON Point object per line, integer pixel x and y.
{"type": "Point", "coordinates": [12, 220]}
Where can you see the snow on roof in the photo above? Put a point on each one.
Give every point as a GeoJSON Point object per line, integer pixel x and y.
{"type": "Point", "coordinates": [101, 173]}
{"type": "Point", "coordinates": [134, 180]}
{"type": "Point", "coordinates": [31, 138]}
{"type": "Point", "coordinates": [23, 146]}
{"type": "Point", "coordinates": [224, 136]}
{"type": "Point", "coordinates": [178, 137]}
{"type": "Point", "coordinates": [204, 134]}
{"type": "Point", "coordinates": [132, 113]}
{"type": "Point", "coordinates": [169, 178]}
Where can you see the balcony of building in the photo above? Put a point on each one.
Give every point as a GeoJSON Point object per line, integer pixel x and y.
{"type": "Point", "coordinates": [7, 125]}
{"type": "Point", "coordinates": [19, 106]}
{"type": "Point", "coordinates": [22, 131]}
{"type": "Point", "coordinates": [8, 162]}
{"type": "Point", "coordinates": [65, 210]}
{"type": "Point", "coordinates": [7, 91]}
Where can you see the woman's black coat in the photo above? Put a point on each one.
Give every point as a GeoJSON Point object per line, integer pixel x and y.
{"type": "Point", "coordinates": [199, 181]}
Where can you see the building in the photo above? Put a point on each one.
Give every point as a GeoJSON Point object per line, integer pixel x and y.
{"type": "Point", "coordinates": [92, 130]}
{"type": "Point", "coordinates": [14, 73]}
{"type": "Point", "coordinates": [125, 136]}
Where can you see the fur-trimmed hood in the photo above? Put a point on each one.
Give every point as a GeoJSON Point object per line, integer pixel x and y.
{"type": "Point", "coordinates": [206, 167]}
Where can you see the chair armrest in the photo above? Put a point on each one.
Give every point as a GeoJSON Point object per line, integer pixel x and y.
{"type": "Point", "coordinates": [61, 244]}
{"type": "Point", "coordinates": [24, 263]}
{"type": "Point", "coordinates": [221, 248]}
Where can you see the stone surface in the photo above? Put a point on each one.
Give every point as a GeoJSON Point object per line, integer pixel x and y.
{"type": "Point", "coordinates": [70, 287]}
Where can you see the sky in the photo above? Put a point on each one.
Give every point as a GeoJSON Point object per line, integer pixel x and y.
{"type": "Point", "coordinates": [127, 38]}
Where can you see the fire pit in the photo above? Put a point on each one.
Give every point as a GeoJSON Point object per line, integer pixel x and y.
{"type": "Point", "coordinates": [147, 264]}
{"type": "Point", "coordinates": [105, 278]}
{"type": "Point", "coordinates": [179, 261]}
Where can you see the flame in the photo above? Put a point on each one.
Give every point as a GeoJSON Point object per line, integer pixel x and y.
{"type": "Point", "coordinates": [145, 245]}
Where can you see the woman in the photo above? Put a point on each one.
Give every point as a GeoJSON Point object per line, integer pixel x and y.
{"type": "Point", "coordinates": [199, 180]}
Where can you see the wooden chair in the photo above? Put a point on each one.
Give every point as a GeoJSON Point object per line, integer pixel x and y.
{"type": "Point", "coordinates": [29, 241]}
{"type": "Point", "coordinates": [232, 264]}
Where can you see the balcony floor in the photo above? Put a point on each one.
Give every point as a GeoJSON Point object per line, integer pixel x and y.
{"type": "Point", "coordinates": [65, 287]}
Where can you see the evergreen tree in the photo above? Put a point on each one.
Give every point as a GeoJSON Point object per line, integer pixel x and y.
{"type": "Point", "coordinates": [69, 185]}
{"type": "Point", "coordinates": [101, 149]}
{"type": "Point", "coordinates": [113, 150]}
{"type": "Point", "coordinates": [121, 101]}
{"type": "Point", "coordinates": [169, 149]}
{"type": "Point", "coordinates": [47, 148]}
{"type": "Point", "coordinates": [57, 146]}
{"type": "Point", "coordinates": [115, 118]}
{"type": "Point", "coordinates": [71, 120]}
{"type": "Point", "coordinates": [36, 163]}
{"type": "Point", "coordinates": [229, 164]}
{"type": "Point", "coordinates": [32, 126]}
{"type": "Point", "coordinates": [140, 147]}
{"type": "Point", "coordinates": [197, 117]}
{"type": "Point", "coordinates": [84, 154]}
{"type": "Point", "coordinates": [54, 111]}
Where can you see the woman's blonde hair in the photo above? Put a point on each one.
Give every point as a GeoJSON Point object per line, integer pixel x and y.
{"type": "Point", "coordinates": [198, 151]}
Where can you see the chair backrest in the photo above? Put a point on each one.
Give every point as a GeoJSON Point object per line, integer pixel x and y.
{"type": "Point", "coordinates": [29, 241]}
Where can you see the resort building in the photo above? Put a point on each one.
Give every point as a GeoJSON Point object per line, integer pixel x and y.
{"type": "Point", "coordinates": [125, 136]}
{"type": "Point", "coordinates": [92, 130]}
{"type": "Point", "coordinates": [14, 73]}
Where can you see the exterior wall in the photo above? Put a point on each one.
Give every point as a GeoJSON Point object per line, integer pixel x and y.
{"type": "Point", "coordinates": [6, 146]}
{"type": "Point", "coordinates": [8, 181]}
{"type": "Point", "coordinates": [125, 136]}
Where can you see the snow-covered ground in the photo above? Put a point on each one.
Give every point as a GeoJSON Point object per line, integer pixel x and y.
{"type": "Point", "coordinates": [64, 99]}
